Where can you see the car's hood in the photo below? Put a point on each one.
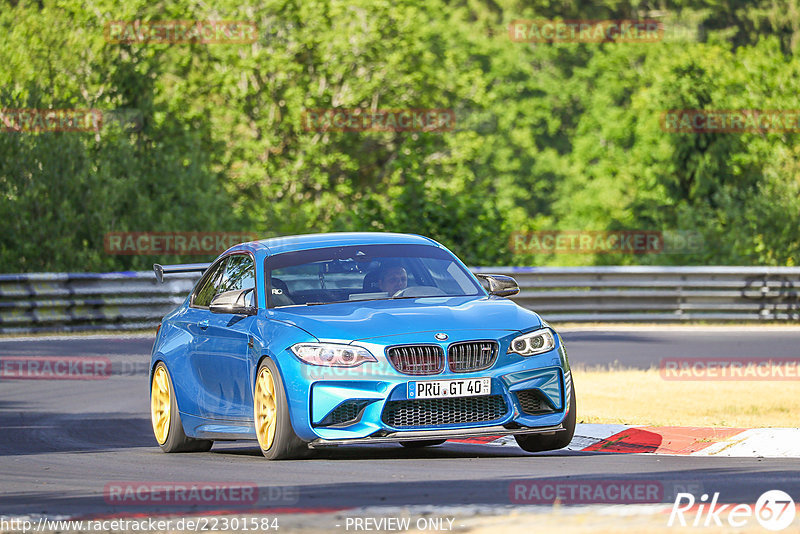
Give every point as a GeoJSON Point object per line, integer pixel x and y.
{"type": "Point", "coordinates": [360, 320]}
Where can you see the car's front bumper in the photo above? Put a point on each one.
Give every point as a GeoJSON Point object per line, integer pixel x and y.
{"type": "Point", "coordinates": [370, 391]}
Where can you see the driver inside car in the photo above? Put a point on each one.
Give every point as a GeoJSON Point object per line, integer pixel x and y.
{"type": "Point", "coordinates": [393, 279]}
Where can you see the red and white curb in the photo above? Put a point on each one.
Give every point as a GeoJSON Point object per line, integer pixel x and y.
{"type": "Point", "coordinates": [675, 440]}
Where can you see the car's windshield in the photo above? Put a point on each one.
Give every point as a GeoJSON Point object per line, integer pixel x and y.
{"type": "Point", "coordinates": [365, 272]}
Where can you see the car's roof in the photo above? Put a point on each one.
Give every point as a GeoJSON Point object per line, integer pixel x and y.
{"type": "Point", "coordinates": [278, 245]}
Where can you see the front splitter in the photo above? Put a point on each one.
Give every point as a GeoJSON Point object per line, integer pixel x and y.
{"type": "Point", "coordinates": [415, 435]}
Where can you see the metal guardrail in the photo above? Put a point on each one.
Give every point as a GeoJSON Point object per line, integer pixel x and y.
{"type": "Point", "coordinates": [87, 301]}
{"type": "Point", "coordinates": [656, 294]}
{"type": "Point", "coordinates": [135, 300]}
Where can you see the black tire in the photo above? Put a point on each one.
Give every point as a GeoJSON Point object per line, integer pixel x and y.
{"type": "Point", "coordinates": [285, 444]}
{"type": "Point", "coordinates": [176, 439]}
{"type": "Point", "coordinates": [559, 440]}
{"type": "Point", "coordinates": [422, 443]}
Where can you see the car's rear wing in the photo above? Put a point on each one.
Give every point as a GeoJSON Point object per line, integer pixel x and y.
{"type": "Point", "coordinates": [161, 270]}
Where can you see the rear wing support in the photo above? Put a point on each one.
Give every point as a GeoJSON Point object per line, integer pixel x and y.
{"type": "Point", "coordinates": [161, 270]}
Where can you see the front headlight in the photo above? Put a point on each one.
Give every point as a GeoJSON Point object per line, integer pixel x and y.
{"type": "Point", "coordinates": [332, 354]}
{"type": "Point", "coordinates": [532, 343]}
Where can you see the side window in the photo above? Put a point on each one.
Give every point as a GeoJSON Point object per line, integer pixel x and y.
{"type": "Point", "coordinates": [209, 287]}
{"type": "Point", "coordinates": [239, 274]}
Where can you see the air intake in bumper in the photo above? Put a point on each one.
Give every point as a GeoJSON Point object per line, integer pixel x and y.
{"type": "Point", "coordinates": [435, 412]}
{"type": "Point", "coordinates": [533, 402]}
{"type": "Point", "coordinates": [346, 414]}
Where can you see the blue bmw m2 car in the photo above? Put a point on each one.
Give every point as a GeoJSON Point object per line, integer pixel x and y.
{"type": "Point", "coordinates": [353, 338]}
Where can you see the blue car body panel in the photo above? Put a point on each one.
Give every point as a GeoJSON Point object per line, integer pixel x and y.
{"type": "Point", "coordinates": [213, 358]}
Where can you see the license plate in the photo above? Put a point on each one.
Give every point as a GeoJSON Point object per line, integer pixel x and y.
{"type": "Point", "coordinates": [437, 389]}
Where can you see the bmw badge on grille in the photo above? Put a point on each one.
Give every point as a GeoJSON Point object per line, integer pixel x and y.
{"type": "Point", "coordinates": [441, 336]}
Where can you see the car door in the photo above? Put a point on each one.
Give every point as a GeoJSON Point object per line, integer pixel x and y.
{"type": "Point", "coordinates": [220, 357]}
{"type": "Point", "coordinates": [195, 320]}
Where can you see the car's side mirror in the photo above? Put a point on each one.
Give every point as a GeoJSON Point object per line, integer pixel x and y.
{"type": "Point", "coordinates": [236, 302]}
{"type": "Point", "coordinates": [499, 284]}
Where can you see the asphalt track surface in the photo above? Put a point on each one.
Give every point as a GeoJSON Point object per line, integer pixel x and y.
{"type": "Point", "coordinates": [63, 442]}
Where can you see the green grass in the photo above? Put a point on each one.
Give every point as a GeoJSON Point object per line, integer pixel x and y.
{"type": "Point", "coordinates": [642, 397]}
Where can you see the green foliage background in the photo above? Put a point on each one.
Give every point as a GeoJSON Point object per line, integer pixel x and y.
{"type": "Point", "coordinates": [551, 136]}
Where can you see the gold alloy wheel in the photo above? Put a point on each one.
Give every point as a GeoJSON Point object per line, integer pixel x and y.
{"type": "Point", "coordinates": [160, 403]}
{"type": "Point", "coordinates": [265, 410]}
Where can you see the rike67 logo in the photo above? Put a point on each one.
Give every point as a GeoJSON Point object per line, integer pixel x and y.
{"type": "Point", "coordinates": [774, 510]}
